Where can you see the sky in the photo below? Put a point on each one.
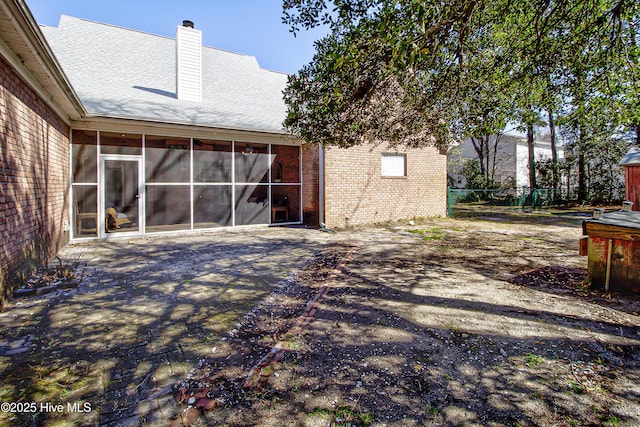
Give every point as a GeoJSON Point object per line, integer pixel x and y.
{"type": "Point", "coordinates": [251, 27]}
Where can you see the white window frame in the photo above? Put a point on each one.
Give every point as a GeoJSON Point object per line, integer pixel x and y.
{"type": "Point", "coordinates": [393, 165]}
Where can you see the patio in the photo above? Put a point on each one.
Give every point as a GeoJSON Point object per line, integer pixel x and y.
{"type": "Point", "coordinates": [146, 311]}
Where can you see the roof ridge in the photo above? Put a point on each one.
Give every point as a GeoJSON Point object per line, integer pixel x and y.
{"type": "Point", "coordinates": [119, 27]}
{"type": "Point", "coordinates": [63, 16]}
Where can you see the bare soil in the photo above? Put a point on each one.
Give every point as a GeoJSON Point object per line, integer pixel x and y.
{"type": "Point", "coordinates": [467, 322]}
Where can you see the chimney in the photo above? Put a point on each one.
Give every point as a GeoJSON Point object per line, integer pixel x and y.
{"type": "Point", "coordinates": [188, 62]}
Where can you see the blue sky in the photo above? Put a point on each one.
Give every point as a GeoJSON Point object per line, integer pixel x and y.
{"type": "Point", "coordinates": [251, 27]}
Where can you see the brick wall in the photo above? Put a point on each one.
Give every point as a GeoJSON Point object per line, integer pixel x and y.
{"type": "Point", "coordinates": [310, 185]}
{"type": "Point", "coordinates": [356, 193]}
{"type": "Point", "coordinates": [34, 175]}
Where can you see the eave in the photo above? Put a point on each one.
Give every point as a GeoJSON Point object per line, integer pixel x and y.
{"type": "Point", "coordinates": [23, 45]}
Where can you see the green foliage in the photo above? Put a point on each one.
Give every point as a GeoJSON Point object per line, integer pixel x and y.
{"type": "Point", "coordinates": [532, 360]}
{"type": "Point", "coordinates": [431, 234]}
{"type": "Point", "coordinates": [473, 175]}
{"type": "Point", "coordinates": [603, 176]}
{"type": "Point", "coordinates": [427, 73]}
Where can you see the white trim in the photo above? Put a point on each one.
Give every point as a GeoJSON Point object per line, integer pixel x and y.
{"type": "Point", "coordinates": [150, 127]}
{"type": "Point", "coordinates": [233, 183]}
{"type": "Point", "coordinates": [103, 158]}
{"type": "Point", "coordinates": [395, 165]}
{"type": "Point", "coordinates": [142, 220]}
{"type": "Point", "coordinates": [141, 158]}
{"type": "Point", "coordinates": [300, 178]}
{"type": "Point", "coordinates": [70, 201]}
{"type": "Point", "coordinates": [321, 184]}
{"type": "Point", "coordinates": [191, 184]}
{"type": "Point", "coordinates": [32, 82]}
{"type": "Point", "coordinates": [270, 189]}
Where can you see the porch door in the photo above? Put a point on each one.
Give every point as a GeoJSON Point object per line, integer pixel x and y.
{"type": "Point", "coordinates": [121, 195]}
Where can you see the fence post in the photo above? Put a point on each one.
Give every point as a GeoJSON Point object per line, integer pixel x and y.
{"type": "Point", "coordinates": [448, 202]}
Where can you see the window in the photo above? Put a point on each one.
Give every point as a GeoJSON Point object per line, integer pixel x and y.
{"type": "Point", "coordinates": [167, 159]}
{"type": "Point", "coordinates": [120, 143]}
{"type": "Point", "coordinates": [85, 182]}
{"type": "Point", "coordinates": [252, 162]}
{"type": "Point", "coordinates": [394, 165]}
{"type": "Point", "coordinates": [212, 161]}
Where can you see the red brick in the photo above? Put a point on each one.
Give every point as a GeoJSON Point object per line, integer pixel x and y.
{"type": "Point", "coordinates": [34, 171]}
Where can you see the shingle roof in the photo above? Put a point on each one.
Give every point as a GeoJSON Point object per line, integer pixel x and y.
{"type": "Point", "coordinates": [632, 157]}
{"type": "Point", "coordinates": [124, 73]}
{"type": "Point", "coordinates": [627, 219]}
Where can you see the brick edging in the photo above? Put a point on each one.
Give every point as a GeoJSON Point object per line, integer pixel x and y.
{"type": "Point", "coordinates": [260, 374]}
{"type": "Point", "coordinates": [199, 400]}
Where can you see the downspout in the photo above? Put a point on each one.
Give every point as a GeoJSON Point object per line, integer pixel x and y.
{"type": "Point", "coordinates": [321, 185]}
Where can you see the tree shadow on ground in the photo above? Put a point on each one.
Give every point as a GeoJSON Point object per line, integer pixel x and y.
{"type": "Point", "coordinates": [388, 345]}
{"type": "Point", "coordinates": [136, 325]}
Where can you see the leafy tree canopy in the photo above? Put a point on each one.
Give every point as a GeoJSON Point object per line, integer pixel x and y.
{"type": "Point", "coordinates": [418, 72]}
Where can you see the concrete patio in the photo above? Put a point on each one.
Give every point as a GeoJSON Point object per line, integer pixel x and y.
{"type": "Point", "coordinates": [147, 309]}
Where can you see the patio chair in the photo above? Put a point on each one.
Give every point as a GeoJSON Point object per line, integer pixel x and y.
{"type": "Point", "coordinates": [114, 219]}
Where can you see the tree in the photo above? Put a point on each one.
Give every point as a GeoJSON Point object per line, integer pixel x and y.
{"type": "Point", "coordinates": [400, 71]}
{"type": "Point", "coordinates": [597, 161]}
{"type": "Point", "coordinates": [483, 115]}
{"type": "Point", "coordinates": [472, 174]}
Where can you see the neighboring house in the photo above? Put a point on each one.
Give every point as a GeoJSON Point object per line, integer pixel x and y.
{"type": "Point", "coordinates": [511, 160]}
{"type": "Point", "coordinates": [108, 132]}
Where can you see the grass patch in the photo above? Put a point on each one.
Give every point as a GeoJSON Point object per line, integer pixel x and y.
{"type": "Point", "coordinates": [532, 360]}
{"type": "Point", "coordinates": [453, 328]}
{"type": "Point", "coordinates": [613, 421]}
{"type": "Point", "coordinates": [342, 416]}
{"type": "Point", "coordinates": [323, 413]}
{"type": "Point", "coordinates": [575, 387]}
{"type": "Point", "coordinates": [293, 342]}
{"type": "Point", "coordinates": [429, 234]}
{"type": "Point", "coordinates": [223, 320]}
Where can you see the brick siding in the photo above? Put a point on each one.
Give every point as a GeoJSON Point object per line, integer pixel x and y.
{"type": "Point", "coordinates": [310, 185]}
{"type": "Point", "coordinates": [34, 177]}
{"type": "Point", "coordinates": [356, 193]}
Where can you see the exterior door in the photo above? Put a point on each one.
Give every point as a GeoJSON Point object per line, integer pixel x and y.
{"type": "Point", "coordinates": [121, 195]}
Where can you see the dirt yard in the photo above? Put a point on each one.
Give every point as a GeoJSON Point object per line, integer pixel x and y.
{"type": "Point", "coordinates": [477, 322]}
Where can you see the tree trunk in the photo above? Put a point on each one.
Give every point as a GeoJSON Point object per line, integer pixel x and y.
{"type": "Point", "coordinates": [479, 149]}
{"type": "Point", "coordinates": [487, 159]}
{"type": "Point", "coordinates": [554, 154]}
{"type": "Point", "coordinates": [493, 158]}
{"type": "Point", "coordinates": [582, 170]}
{"type": "Point", "coordinates": [532, 158]}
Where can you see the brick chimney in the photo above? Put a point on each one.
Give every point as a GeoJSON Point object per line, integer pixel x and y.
{"type": "Point", "coordinates": [188, 62]}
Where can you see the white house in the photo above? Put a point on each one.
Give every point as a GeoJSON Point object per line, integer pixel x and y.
{"type": "Point", "coordinates": [511, 159]}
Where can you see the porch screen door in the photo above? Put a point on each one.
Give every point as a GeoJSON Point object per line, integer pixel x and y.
{"type": "Point", "coordinates": [121, 195]}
